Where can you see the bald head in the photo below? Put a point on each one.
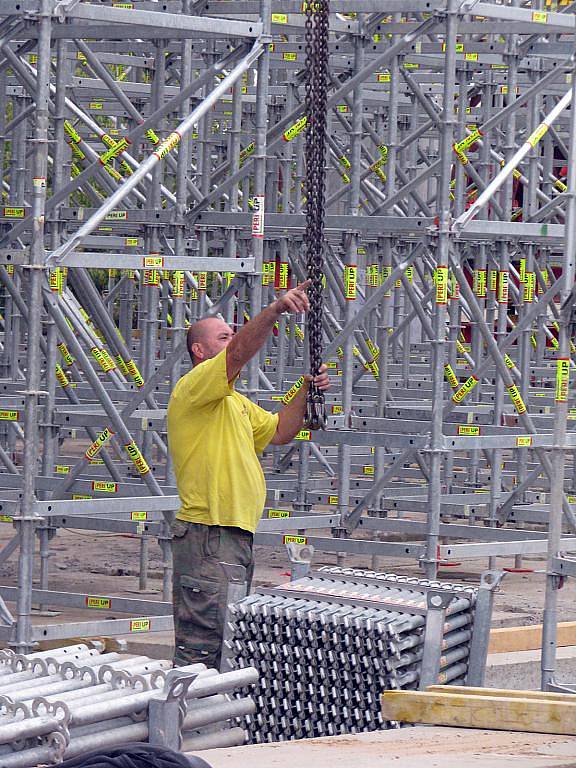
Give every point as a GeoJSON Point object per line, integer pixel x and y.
{"type": "Point", "coordinates": [207, 337]}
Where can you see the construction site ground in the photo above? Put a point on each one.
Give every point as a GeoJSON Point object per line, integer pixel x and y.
{"type": "Point", "coordinates": [107, 564]}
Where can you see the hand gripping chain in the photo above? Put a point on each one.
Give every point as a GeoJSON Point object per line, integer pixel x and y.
{"type": "Point", "coordinates": [317, 15]}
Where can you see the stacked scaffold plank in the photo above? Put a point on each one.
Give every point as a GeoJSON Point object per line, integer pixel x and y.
{"type": "Point", "coordinates": [327, 646]}
{"type": "Point", "coordinates": [65, 702]}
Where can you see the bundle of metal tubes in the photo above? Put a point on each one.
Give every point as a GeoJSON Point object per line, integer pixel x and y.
{"type": "Point", "coordinates": [326, 650]}
{"type": "Point", "coordinates": [65, 702]}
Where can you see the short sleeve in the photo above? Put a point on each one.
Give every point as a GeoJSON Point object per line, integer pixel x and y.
{"type": "Point", "coordinates": [264, 425]}
{"type": "Point", "coordinates": [207, 382]}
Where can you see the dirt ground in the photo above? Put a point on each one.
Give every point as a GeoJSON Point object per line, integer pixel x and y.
{"type": "Point", "coordinates": [107, 564]}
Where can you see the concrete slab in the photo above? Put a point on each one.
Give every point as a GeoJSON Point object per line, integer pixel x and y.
{"type": "Point", "coordinates": [419, 747]}
{"type": "Point", "coordinates": [520, 670]}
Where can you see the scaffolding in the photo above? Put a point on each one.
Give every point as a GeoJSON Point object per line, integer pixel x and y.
{"type": "Point", "coordinates": [153, 159]}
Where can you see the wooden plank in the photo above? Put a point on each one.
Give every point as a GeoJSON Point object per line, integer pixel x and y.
{"type": "Point", "coordinates": [450, 690]}
{"type": "Point", "coordinates": [505, 713]}
{"type": "Point", "coordinates": [505, 639]}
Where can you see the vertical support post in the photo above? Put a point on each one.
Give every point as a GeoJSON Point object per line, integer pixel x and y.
{"type": "Point", "coordinates": [553, 581]}
{"type": "Point", "coordinates": [430, 561]}
{"type": "Point", "coordinates": [28, 519]}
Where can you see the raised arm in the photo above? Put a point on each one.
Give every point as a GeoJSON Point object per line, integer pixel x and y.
{"type": "Point", "coordinates": [251, 337]}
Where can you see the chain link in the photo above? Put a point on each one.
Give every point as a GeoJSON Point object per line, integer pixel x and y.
{"type": "Point", "coordinates": [317, 21]}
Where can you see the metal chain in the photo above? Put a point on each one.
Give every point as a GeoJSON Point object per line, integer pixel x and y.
{"type": "Point", "coordinates": [317, 20]}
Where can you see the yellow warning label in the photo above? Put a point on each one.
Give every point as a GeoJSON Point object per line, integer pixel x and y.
{"type": "Point", "coordinates": [13, 213]}
{"type": "Point", "coordinates": [304, 434]}
{"type": "Point", "coordinates": [138, 516]}
{"type": "Point", "coordinates": [104, 486]}
{"type": "Point", "coordinates": [516, 399]}
{"type": "Point", "coordinates": [153, 262]}
{"type": "Point", "coordinates": [278, 514]}
{"type": "Point", "coordinates": [283, 275]}
{"type": "Point", "coordinates": [469, 430]}
{"type": "Point", "coordinates": [140, 625]}
{"type": "Point", "coordinates": [6, 519]}
{"type": "Point", "coordinates": [509, 362]}
{"type": "Point", "coordinates": [288, 539]}
{"type": "Point", "coordinates": [62, 469]}
{"type": "Point", "coordinates": [528, 287]}
{"type": "Point", "coordinates": [9, 415]}
{"type": "Point", "coordinates": [98, 602]}
{"type": "Point", "coordinates": [535, 137]}
{"type": "Point", "coordinates": [465, 389]}
{"type": "Point", "coordinates": [524, 441]}
{"type": "Point", "coordinates": [562, 379]}
{"type": "Point", "coordinates": [279, 18]}
{"type": "Point", "coordinates": [450, 376]}
{"type": "Point", "coordinates": [368, 469]}
{"type": "Point", "coordinates": [441, 279]}
{"type": "Point", "coordinates": [138, 460]}
{"type": "Point", "coordinates": [503, 286]}
{"type": "Point", "coordinates": [492, 279]}
{"type": "Point", "coordinates": [102, 438]}
{"type": "Point", "coordinates": [333, 500]}
{"type": "Point", "coordinates": [134, 373]}
{"type": "Point", "coordinates": [479, 283]}
{"type": "Point", "coordinates": [540, 17]}
{"type": "Point", "coordinates": [295, 130]}
{"type": "Point", "coordinates": [350, 276]}
{"type": "Point", "coordinates": [293, 391]}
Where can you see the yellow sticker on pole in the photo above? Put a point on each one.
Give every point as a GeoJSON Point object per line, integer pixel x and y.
{"type": "Point", "coordinates": [137, 459]}
{"type": "Point", "coordinates": [524, 441]}
{"type": "Point", "coordinates": [492, 279]}
{"type": "Point", "coordinates": [295, 130]}
{"type": "Point", "coordinates": [479, 283]}
{"type": "Point", "coordinates": [441, 279]}
{"type": "Point", "coordinates": [102, 438]}
{"type": "Point", "coordinates": [465, 389]}
{"type": "Point", "coordinates": [289, 539]}
{"type": "Point", "coordinates": [503, 277]}
{"type": "Point", "coordinates": [350, 275]}
{"type": "Point", "coordinates": [283, 275]}
{"type": "Point", "coordinates": [6, 415]}
{"type": "Point", "coordinates": [528, 287]}
{"type": "Point", "coordinates": [450, 376]}
{"type": "Point", "coordinates": [562, 379]}
{"type": "Point", "coordinates": [293, 391]}
{"type": "Point", "coordinates": [535, 137]}
{"type": "Point", "coordinates": [304, 434]}
{"type": "Point", "coordinates": [177, 283]}
{"type": "Point", "coordinates": [134, 373]}
{"type": "Point", "coordinates": [516, 399]}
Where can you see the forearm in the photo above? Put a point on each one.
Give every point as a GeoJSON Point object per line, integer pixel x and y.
{"type": "Point", "coordinates": [250, 338]}
{"type": "Point", "coordinates": [291, 417]}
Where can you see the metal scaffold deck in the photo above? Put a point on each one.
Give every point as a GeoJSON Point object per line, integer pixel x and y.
{"type": "Point", "coordinates": [153, 167]}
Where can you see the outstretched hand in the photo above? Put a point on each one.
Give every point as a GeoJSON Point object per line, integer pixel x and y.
{"type": "Point", "coordinates": [296, 299]}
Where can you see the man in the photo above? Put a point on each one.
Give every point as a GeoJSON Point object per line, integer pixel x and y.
{"type": "Point", "coordinates": [215, 435]}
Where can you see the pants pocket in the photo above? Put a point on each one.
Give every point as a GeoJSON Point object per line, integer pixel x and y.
{"type": "Point", "coordinates": [178, 529]}
{"type": "Point", "coordinates": [199, 608]}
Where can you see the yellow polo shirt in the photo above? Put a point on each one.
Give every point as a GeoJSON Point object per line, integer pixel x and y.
{"type": "Point", "coordinates": [214, 436]}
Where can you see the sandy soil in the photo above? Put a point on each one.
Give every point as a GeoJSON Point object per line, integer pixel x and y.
{"type": "Point", "coordinates": [105, 563]}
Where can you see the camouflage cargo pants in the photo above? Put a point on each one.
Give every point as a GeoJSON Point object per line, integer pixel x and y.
{"type": "Point", "coordinates": [200, 586]}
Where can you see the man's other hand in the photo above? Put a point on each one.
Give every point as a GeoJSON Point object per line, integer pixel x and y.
{"type": "Point", "coordinates": [295, 300]}
{"type": "Point", "coordinates": [322, 380]}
